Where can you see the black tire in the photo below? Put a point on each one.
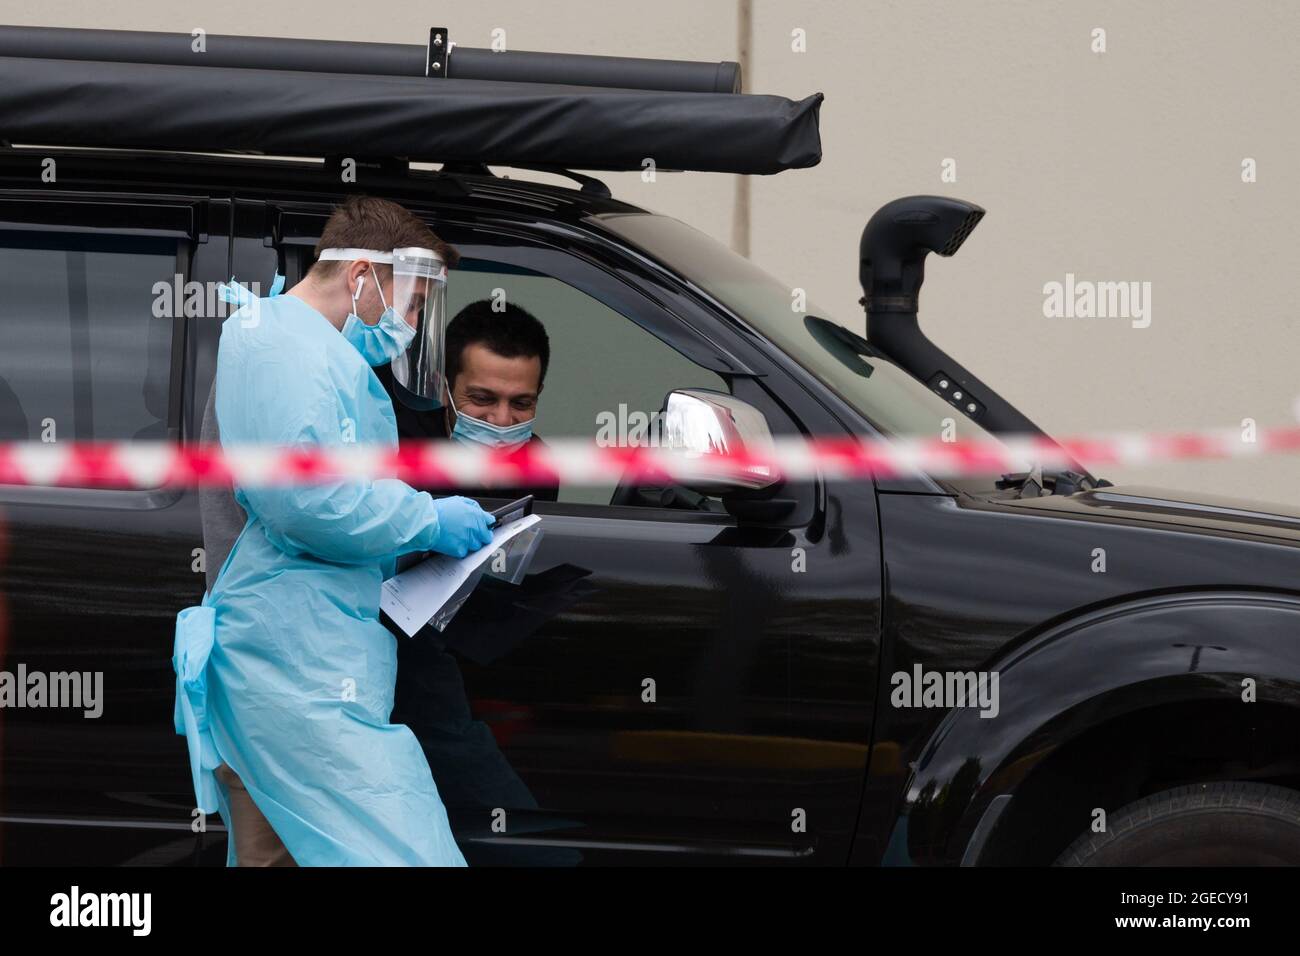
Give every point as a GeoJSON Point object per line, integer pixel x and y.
{"type": "Point", "coordinates": [1209, 824]}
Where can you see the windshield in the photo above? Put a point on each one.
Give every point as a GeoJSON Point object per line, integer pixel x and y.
{"type": "Point", "coordinates": [897, 404]}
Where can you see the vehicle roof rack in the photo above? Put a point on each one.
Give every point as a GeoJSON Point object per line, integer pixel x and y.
{"type": "Point", "coordinates": [587, 184]}
{"type": "Point", "coordinates": [129, 89]}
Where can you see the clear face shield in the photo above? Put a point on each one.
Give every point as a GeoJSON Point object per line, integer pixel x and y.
{"type": "Point", "coordinates": [419, 298]}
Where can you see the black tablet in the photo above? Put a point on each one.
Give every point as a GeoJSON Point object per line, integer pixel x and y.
{"type": "Point", "coordinates": [520, 508]}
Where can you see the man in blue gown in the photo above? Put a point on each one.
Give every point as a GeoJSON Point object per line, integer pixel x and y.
{"type": "Point", "coordinates": [285, 677]}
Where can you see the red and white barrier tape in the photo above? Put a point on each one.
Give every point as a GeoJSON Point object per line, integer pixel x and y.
{"type": "Point", "coordinates": [451, 465]}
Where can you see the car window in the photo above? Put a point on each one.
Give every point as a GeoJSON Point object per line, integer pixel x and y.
{"type": "Point", "coordinates": [607, 377]}
{"type": "Point", "coordinates": [893, 401]}
{"type": "Point", "coordinates": [85, 356]}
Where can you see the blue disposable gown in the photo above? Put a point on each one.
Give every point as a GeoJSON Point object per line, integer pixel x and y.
{"type": "Point", "coordinates": [284, 671]}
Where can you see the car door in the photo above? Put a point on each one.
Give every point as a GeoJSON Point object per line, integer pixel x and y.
{"type": "Point", "coordinates": [95, 317]}
{"type": "Point", "coordinates": [704, 690]}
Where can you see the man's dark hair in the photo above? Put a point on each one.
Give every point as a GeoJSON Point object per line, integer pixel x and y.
{"type": "Point", "coordinates": [511, 333]}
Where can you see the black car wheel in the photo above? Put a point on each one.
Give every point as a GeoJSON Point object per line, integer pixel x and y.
{"type": "Point", "coordinates": [1212, 824]}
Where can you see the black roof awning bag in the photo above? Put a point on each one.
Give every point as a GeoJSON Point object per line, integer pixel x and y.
{"type": "Point", "coordinates": [211, 109]}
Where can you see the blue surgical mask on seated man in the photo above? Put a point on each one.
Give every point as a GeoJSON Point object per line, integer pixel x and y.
{"type": "Point", "coordinates": [475, 431]}
{"type": "Point", "coordinates": [383, 341]}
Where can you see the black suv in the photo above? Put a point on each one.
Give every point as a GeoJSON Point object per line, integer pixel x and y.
{"type": "Point", "coordinates": [911, 670]}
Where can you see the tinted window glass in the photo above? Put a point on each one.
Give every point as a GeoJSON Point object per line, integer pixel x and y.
{"type": "Point", "coordinates": [84, 356]}
{"type": "Point", "coordinates": [607, 375]}
{"type": "Point", "coordinates": [887, 396]}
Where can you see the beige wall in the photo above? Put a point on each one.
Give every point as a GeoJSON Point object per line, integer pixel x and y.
{"type": "Point", "coordinates": [1117, 166]}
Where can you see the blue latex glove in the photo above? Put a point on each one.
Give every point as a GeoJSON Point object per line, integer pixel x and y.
{"type": "Point", "coordinates": [462, 526]}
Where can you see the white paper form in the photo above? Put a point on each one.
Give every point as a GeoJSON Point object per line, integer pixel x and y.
{"type": "Point", "coordinates": [413, 597]}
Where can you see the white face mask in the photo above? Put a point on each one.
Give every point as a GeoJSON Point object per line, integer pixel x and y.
{"type": "Point", "coordinates": [476, 431]}
{"type": "Point", "coordinates": [383, 341]}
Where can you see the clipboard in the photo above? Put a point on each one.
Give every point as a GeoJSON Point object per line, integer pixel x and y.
{"type": "Point", "coordinates": [433, 590]}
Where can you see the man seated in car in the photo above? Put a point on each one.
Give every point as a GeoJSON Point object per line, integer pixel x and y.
{"type": "Point", "coordinates": [496, 365]}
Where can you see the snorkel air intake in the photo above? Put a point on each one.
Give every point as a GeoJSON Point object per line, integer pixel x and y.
{"type": "Point", "coordinates": [891, 268]}
{"type": "Point", "coordinates": [896, 241]}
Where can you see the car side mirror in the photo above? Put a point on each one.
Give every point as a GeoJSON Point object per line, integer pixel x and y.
{"type": "Point", "coordinates": [727, 442]}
